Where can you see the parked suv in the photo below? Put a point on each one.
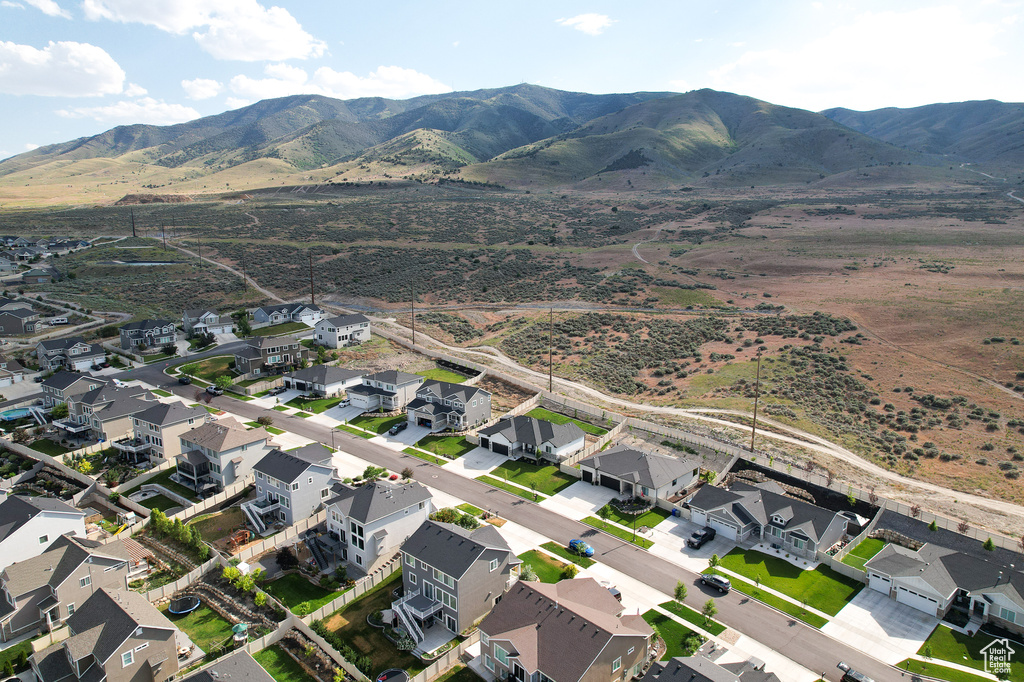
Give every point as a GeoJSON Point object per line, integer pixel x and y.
{"type": "Point", "coordinates": [214, 390]}
{"type": "Point", "coordinates": [851, 675]}
{"type": "Point", "coordinates": [701, 537]}
{"type": "Point", "coordinates": [185, 380]}
{"type": "Point", "coordinates": [398, 428]}
{"type": "Point", "coordinates": [716, 581]}
{"type": "Point", "coordinates": [580, 547]}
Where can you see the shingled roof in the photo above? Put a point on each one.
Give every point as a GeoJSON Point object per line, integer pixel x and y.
{"type": "Point", "coordinates": [372, 501]}
{"type": "Point", "coordinates": [636, 466]}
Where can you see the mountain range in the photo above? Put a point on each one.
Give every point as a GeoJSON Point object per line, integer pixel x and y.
{"type": "Point", "coordinates": [525, 136]}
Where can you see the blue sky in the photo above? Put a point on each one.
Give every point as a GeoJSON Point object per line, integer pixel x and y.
{"type": "Point", "coordinates": [71, 68]}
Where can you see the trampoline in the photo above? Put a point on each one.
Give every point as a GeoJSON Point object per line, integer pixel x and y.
{"type": "Point", "coordinates": [393, 675]}
{"type": "Point", "coordinates": [183, 605]}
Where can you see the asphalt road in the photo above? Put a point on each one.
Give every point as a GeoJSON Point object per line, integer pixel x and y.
{"type": "Point", "coordinates": [801, 643]}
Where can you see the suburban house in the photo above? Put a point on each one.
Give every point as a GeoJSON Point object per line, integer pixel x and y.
{"type": "Point", "coordinates": [524, 436]}
{"type": "Point", "coordinates": [18, 321]}
{"type": "Point", "coordinates": [43, 275]}
{"type": "Point", "coordinates": [289, 312]}
{"type": "Point", "coordinates": [269, 354]}
{"type": "Point", "coordinates": [323, 380]}
{"type": "Point", "coordinates": [700, 669]}
{"type": "Point", "coordinates": [71, 353]}
{"type": "Point", "coordinates": [29, 524]}
{"type": "Point", "coordinates": [205, 321]}
{"type": "Point", "coordinates": [570, 631]}
{"type": "Point", "coordinates": [114, 636]}
{"type": "Point", "coordinates": [148, 334]}
{"type": "Point", "coordinates": [156, 431]}
{"type": "Point", "coordinates": [11, 371]}
{"type": "Point", "coordinates": [764, 512]}
{"type": "Point", "coordinates": [61, 386]}
{"type": "Point", "coordinates": [8, 263]}
{"type": "Point", "coordinates": [106, 412]}
{"type": "Point", "coordinates": [388, 391]}
{"type": "Point", "coordinates": [639, 473]}
{"type": "Point", "coordinates": [452, 575]}
{"type": "Point", "coordinates": [239, 666]}
{"type": "Point", "coordinates": [12, 304]}
{"type": "Point", "coordinates": [341, 331]}
{"type": "Point", "coordinates": [217, 454]}
{"type": "Point", "coordinates": [290, 486]}
{"type": "Point", "coordinates": [41, 592]}
{"type": "Point", "coordinates": [367, 524]}
{"type": "Point", "coordinates": [439, 405]}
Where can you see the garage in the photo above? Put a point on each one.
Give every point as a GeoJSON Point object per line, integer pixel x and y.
{"type": "Point", "coordinates": [699, 517]}
{"type": "Point", "coordinates": [918, 601]}
{"type": "Point", "coordinates": [724, 529]}
{"type": "Point", "coordinates": [588, 476]}
{"type": "Point", "coordinates": [499, 448]}
{"type": "Point", "coordinates": [485, 442]}
{"type": "Point", "coordinates": [609, 482]}
{"type": "Point", "coordinates": [423, 421]}
{"type": "Point", "coordinates": [879, 583]}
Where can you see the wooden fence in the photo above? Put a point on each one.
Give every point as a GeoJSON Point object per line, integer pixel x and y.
{"type": "Point", "coordinates": [144, 476]}
{"type": "Point", "coordinates": [380, 575]}
{"type": "Point", "coordinates": [287, 536]}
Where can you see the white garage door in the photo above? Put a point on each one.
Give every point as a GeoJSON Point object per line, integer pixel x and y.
{"type": "Point", "coordinates": [918, 601]}
{"type": "Point", "coordinates": [724, 529]}
{"type": "Point", "coordinates": [880, 584]}
{"type": "Point", "coordinates": [698, 517]}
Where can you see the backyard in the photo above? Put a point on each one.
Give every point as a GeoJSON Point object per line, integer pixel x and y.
{"type": "Point", "coordinates": [547, 478]}
{"type": "Point", "coordinates": [859, 555]}
{"type": "Point", "coordinates": [376, 424]}
{"type": "Point", "coordinates": [299, 595]}
{"type": "Point", "coordinates": [161, 502]}
{"type": "Point", "coordinates": [438, 374]}
{"type": "Point", "coordinates": [48, 447]}
{"type": "Point", "coordinates": [204, 626]}
{"type": "Point", "coordinates": [316, 405]}
{"type": "Point", "coordinates": [164, 479]}
{"type": "Point", "coordinates": [555, 418]}
{"type": "Point", "coordinates": [451, 447]}
{"type": "Point", "coordinates": [280, 665]}
{"type": "Point", "coordinates": [213, 527]}
{"type": "Point", "coordinates": [548, 570]}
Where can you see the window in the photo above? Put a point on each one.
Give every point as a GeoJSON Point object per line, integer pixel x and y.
{"type": "Point", "coordinates": [43, 539]}
{"type": "Point", "coordinates": [410, 561]}
{"type": "Point", "coordinates": [85, 582]}
{"type": "Point", "coordinates": [494, 564]}
{"type": "Point", "coordinates": [501, 655]}
{"type": "Point", "coordinates": [798, 543]}
{"type": "Point", "coordinates": [484, 639]}
{"type": "Point", "coordinates": [310, 480]}
{"type": "Point", "coordinates": [359, 559]}
{"type": "Point", "coordinates": [142, 646]}
{"type": "Point", "coordinates": [412, 578]}
{"type": "Point", "coordinates": [295, 486]}
{"type": "Point", "coordinates": [489, 663]}
{"type": "Point", "coordinates": [630, 650]}
{"type": "Point", "coordinates": [71, 610]}
{"type": "Point", "coordinates": [616, 664]}
{"type": "Point", "coordinates": [1008, 615]}
{"type": "Point", "coordinates": [127, 658]}
{"type": "Point", "coordinates": [325, 493]}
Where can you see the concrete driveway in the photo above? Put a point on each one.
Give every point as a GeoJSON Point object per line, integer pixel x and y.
{"type": "Point", "coordinates": [579, 500]}
{"type": "Point", "coordinates": [410, 436]}
{"type": "Point", "coordinates": [889, 630]}
{"type": "Point", "coordinates": [476, 462]}
{"type": "Point", "coordinates": [670, 544]}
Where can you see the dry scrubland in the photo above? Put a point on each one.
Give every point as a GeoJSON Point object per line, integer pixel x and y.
{"type": "Point", "coordinates": [897, 334]}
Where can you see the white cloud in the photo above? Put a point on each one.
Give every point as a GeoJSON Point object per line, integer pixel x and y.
{"type": "Point", "coordinates": [29, 146]}
{"type": "Point", "coordinates": [144, 110]}
{"type": "Point", "coordinates": [202, 88]}
{"type": "Point", "coordinates": [236, 103]}
{"type": "Point", "coordinates": [680, 85]}
{"type": "Point", "coordinates": [591, 24]}
{"type": "Point", "coordinates": [242, 30]}
{"type": "Point", "coordinates": [49, 8]}
{"type": "Point", "coordinates": [134, 90]}
{"type": "Point", "coordinates": [874, 60]}
{"type": "Point", "coordinates": [12, 5]}
{"type": "Point", "coordinates": [387, 81]}
{"type": "Point", "coordinates": [63, 69]}
{"type": "Point", "coordinates": [455, 44]}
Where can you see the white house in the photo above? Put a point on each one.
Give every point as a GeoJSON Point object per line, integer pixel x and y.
{"type": "Point", "coordinates": [217, 454]}
{"type": "Point", "coordinates": [29, 524]}
{"type": "Point", "coordinates": [341, 331]}
{"type": "Point", "coordinates": [205, 321]}
{"type": "Point", "coordinates": [639, 473]}
{"type": "Point", "coordinates": [323, 380]}
{"type": "Point", "coordinates": [535, 438]}
{"type": "Point", "coordinates": [289, 312]}
{"type": "Point", "coordinates": [389, 391]}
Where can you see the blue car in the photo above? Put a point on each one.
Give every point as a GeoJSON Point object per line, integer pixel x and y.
{"type": "Point", "coordinates": [581, 548]}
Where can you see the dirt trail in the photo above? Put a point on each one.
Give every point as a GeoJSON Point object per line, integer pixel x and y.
{"type": "Point", "coordinates": [266, 292]}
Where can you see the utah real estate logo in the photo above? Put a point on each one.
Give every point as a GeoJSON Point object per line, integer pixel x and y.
{"type": "Point", "coordinates": [997, 655]}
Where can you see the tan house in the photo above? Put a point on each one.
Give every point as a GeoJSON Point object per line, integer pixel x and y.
{"type": "Point", "coordinates": [106, 412]}
{"type": "Point", "coordinates": [156, 431]}
{"type": "Point", "coordinates": [219, 453]}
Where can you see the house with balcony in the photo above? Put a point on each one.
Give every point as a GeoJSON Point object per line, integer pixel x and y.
{"type": "Point", "coordinates": [72, 353]}
{"type": "Point", "coordinates": [524, 436]}
{"type": "Point", "coordinates": [205, 321]}
{"type": "Point", "coordinates": [147, 334]}
{"type": "Point", "coordinates": [29, 524]}
{"type": "Point", "coordinates": [18, 322]}
{"type": "Point", "coordinates": [452, 577]}
{"type": "Point", "coordinates": [570, 631]}
{"type": "Point", "coordinates": [114, 636]}
{"type": "Point", "coordinates": [156, 431]}
{"type": "Point", "coordinates": [270, 354]}
{"type": "Point", "coordinates": [368, 523]}
{"type": "Point", "coordinates": [105, 413]}
{"type": "Point", "coordinates": [290, 486]}
{"type": "Point", "coordinates": [323, 380]}
{"type": "Point", "coordinates": [307, 313]}
{"type": "Point", "coordinates": [388, 391]}
{"type": "Point", "coordinates": [63, 385]}
{"type": "Point", "coordinates": [218, 453]}
{"type": "Point", "coordinates": [441, 406]}
{"type": "Point", "coordinates": [639, 473]}
{"type": "Point", "coordinates": [342, 331]}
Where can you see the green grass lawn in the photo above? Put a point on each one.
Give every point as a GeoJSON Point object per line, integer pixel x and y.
{"type": "Point", "coordinates": [162, 393]}
{"type": "Point", "coordinates": [509, 488]}
{"type": "Point", "coordinates": [940, 672]}
{"type": "Point", "coordinates": [622, 533]}
{"type": "Point", "coordinates": [784, 605]}
{"type": "Point", "coordinates": [672, 632]}
{"type": "Point", "coordinates": [376, 424]}
{"type": "Point", "coordinates": [822, 588]}
{"type": "Point", "coordinates": [270, 429]}
{"type": "Point", "coordinates": [280, 408]}
{"type": "Point", "coordinates": [237, 396]}
{"type": "Point", "coordinates": [459, 674]}
{"type": "Point", "coordinates": [300, 595]}
{"type": "Point", "coordinates": [451, 447]}
{"type": "Point", "coordinates": [438, 374]}
{"type": "Point", "coordinates": [302, 415]}
{"type": "Point", "coordinates": [159, 357]}
{"type": "Point", "coordinates": [11, 654]}
{"type": "Point", "coordinates": [555, 418]}
{"type": "Point", "coordinates": [164, 479]}
{"type": "Point", "coordinates": [650, 518]}
{"type": "Point", "coordinates": [211, 410]}
{"type": "Point", "coordinates": [213, 527]}
{"type": "Point", "coordinates": [691, 616]}
{"type": "Point", "coordinates": [952, 646]}
{"type": "Point", "coordinates": [161, 502]}
{"type": "Point", "coordinates": [204, 626]}
{"type": "Point", "coordinates": [280, 665]}
{"type": "Point", "coordinates": [315, 406]}
{"type": "Point", "coordinates": [416, 453]}
{"type": "Point", "coordinates": [209, 369]}
{"type": "Point", "coordinates": [547, 569]}
{"type": "Point", "coordinates": [564, 552]}
{"type": "Point", "coordinates": [283, 328]}
{"type": "Point", "coordinates": [860, 554]}
{"type": "Point", "coordinates": [48, 447]}
{"type": "Point", "coordinates": [362, 434]}
{"type": "Point", "coordinates": [548, 479]}
{"type": "Point", "coordinates": [470, 509]}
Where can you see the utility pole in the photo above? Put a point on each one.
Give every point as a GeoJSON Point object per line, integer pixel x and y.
{"type": "Point", "coordinates": [200, 251]}
{"type": "Point", "coordinates": [163, 233]}
{"type": "Point", "coordinates": [133, 220]}
{"type": "Point", "coordinates": [312, 296]}
{"type": "Point", "coordinates": [551, 347]}
{"type": "Point", "coordinates": [757, 394]}
{"type": "Point", "coordinates": [245, 282]}
{"type": "Point", "coordinates": [412, 290]}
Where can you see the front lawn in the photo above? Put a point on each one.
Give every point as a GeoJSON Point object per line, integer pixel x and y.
{"type": "Point", "coordinates": [564, 552]}
{"type": "Point", "coordinates": [508, 487]}
{"type": "Point", "coordinates": [283, 328]}
{"type": "Point", "coordinates": [12, 653]}
{"type": "Point", "coordinates": [950, 645]}
{"type": "Point", "coordinates": [622, 533]}
{"type": "Point", "coordinates": [161, 392]}
{"type": "Point", "coordinates": [675, 635]}
{"type": "Point", "coordinates": [300, 595]}
{"type": "Point", "coordinates": [211, 368]}
{"type": "Point", "coordinates": [691, 616]}
{"type": "Point", "coordinates": [438, 374]}
{"type": "Point", "coordinates": [555, 418]}
{"type": "Point", "coordinates": [548, 570]}
{"type": "Point", "coordinates": [940, 672]}
{"type": "Point", "coordinates": [859, 555]}
{"type": "Point", "coordinates": [48, 447]}
{"type": "Point", "coordinates": [784, 605]}
{"type": "Point", "coordinates": [164, 479]}
{"type": "Point", "coordinates": [362, 434]}
{"type": "Point", "coordinates": [159, 357]}
{"type": "Point", "coordinates": [470, 509]}
{"type": "Point", "coordinates": [280, 665]}
{"type": "Point", "coordinates": [548, 479]}
{"type": "Point", "coordinates": [204, 626]}
{"type": "Point", "coordinates": [376, 424]}
{"type": "Point", "coordinates": [270, 429]}
{"type": "Point", "coordinates": [316, 406]}
{"type": "Point", "coordinates": [451, 447]}
{"type": "Point", "coordinates": [650, 518]}
{"type": "Point", "coordinates": [822, 588]}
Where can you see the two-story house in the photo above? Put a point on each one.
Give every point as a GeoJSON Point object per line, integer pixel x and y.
{"type": "Point", "coordinates": [71, 353]}
{"type": "Point", "coordinates": [639, 473]}
{"type": "Point", "coordinates": [18, 322]}
{"type": "Point", "coordinates": [156, 431]}
{"type": "Point", "coordinates": [323, 380]}
{"type": "Point", "coordinates": [269, 354]}
{"type": "Point", "coordinates": [11, 371]}
{"type": "Point", "coordinates": [115, 636]}
{"type": "Point", "coordinates": [13, 304]}
{"type": "Point", "coordinates": [289, 312]}
{"type": "Point", "coordinates": [524, 436]}
{"type": "Point", "coordinates": [439, 405]}
{"type": "Point", "coordinates": [388, 391]}
{"type": "Point", "coordinates": [205, 321]}
{"type": "Point", "coordinates": [367, 524]}
{"type": "Point", "coordinates": [29, 524]}
{"type": "Point", "coordinates": [107, 411]}
{"type": "Point", "coordinates": [571, 631]}
{"type": "Point", "coordinates": [452, 575]}
{"type": "Point", "coordinates": [41, 592]}
{"type": "Point", "coordinates": [290, 486]}
{"type": "Point", "coordinates": [341, 331]}
{"type": "Point", "coordinates": [217, 454]}
{"type": "Point", "coordinates": [62, 385]}
{"type": "Point", "coordinates": [148, 334]}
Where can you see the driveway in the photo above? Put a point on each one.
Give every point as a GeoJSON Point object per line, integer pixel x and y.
{"type": "Point", "coordinates": [410, 436]}
{"type": "Point", "coordinates": [889, 630]}
{"type": "Point", "coordinates": [476, 462]}
{"type": "Point", "coordinates": [670, 537]}
{"type": "Point", "coordinates": [579, 500]}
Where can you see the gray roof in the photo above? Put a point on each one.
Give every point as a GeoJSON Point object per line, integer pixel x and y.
{"type": "Point", "coordinates": [378, 499]}
{"type": "Point", "coordinates": [106, 619]}
{"type": "Point", "coordinates": [290, 308]}
{"type": "Point", "coordinates": [700, 669]}
{"type": "Point", "coordinates": [143, 325]}
{"type": "Point", "coordinates": [392, 376]}
{"type": "Point", "coordinates": [237, 667]}
{"type": "Point", "coordinates": [64, 379]}
{"type": "Point", "coordinates": [123, 406]}
{"type": "Point", "coordinates": [20, 313]}
{"type": "Point", "coordinates": [61, 344]}
{"type": "Point", "coordinates": [325, 374]}
{"type": "Point", "coordinates": [171, 413]}
{"type": "Point", "coordinates": [108, 393]}
{"type": "Point", "coordinates": [347, 320]}
{"type": "Point", "coordinates": [446, 391]}
{"type": "Point", "coordinates": [16, 511]}
{"type": "Point", "coordinates": [453, 549]}
{"type": "Point", "coordinates": [535, 432]}
{"type": "Point", "coordinates": [56, 563]}
{"type": "Point", "coordinates": [288, 466]}
{"type": "Point", "coordinates": [195, 313]}
{"type": "Point", "coordinates": [636, 466]}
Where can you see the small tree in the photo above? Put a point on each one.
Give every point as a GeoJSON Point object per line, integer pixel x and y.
{"type": "Point", "coordinates": [604, 513]}
{"type": "Point", "coordinates": [190, 369]}
{"type": "Point", "coordinates": [169, 349]}
{"type": "Point", "coordinates": [265, 420]}
{"type": "Point", "coordinates": [569, 572]}
{"type": "Point", "coordinates": [260, 598]}
{"type": "Point", "coordinates": [407, 473]}
{"type": "Point", "coordinates": [933, 525]}
{"type": "Point", "coordinates": [963, 527]}
{"type": "Point", "coordinates": [850, 497]}
{"type": "Point", "coordinates": [242, 326]}
{"type": "Point", "coordinates": [990, 545]}
{"type": "Point", "coordinates": [714, 561]}
{"type": "Point", "coordinates": [915, 510]}
{"type": "Point", "coordinates": [223, 382]}
{"type": "Point", "coordinates": [680, 592]}
{"type": "Point", "coordinates": [709, 611]}
{"type": "Point", "coordinates": [528, 574]}
{"type": "Point", "coordinates": [59, 411]}
{"type": "Point", "coordinates": [286, 558]}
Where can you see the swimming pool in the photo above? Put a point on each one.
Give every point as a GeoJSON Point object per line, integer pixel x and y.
{"type": "Point", "coordinates": [11, 415]}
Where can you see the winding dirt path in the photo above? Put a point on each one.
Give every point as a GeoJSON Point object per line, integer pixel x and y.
{"type": "Point", "coordinates": [266, 292]}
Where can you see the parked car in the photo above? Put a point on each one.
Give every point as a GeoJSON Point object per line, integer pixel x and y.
{"type": "Point", "coordinates": [185, 380]}
{"type": "Point", "coordinates": [105, 364]}
{"type": "Point", "coordinates": [580, 547]}
{"type": "Point", "coordinates": [214, 390]}
{"type": "Point", "coordinates": [398, 428]}
{"type": "Point", "coordinates": [851, 675]}
{"type": "Point", "coordinates": [701, 537]}
{"type": "Point", "coordinates": [277, 391]}
{"type": "Point", "coordinates": [345, 403]}
{"type": "Point", "coordinates": [716, 581]}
